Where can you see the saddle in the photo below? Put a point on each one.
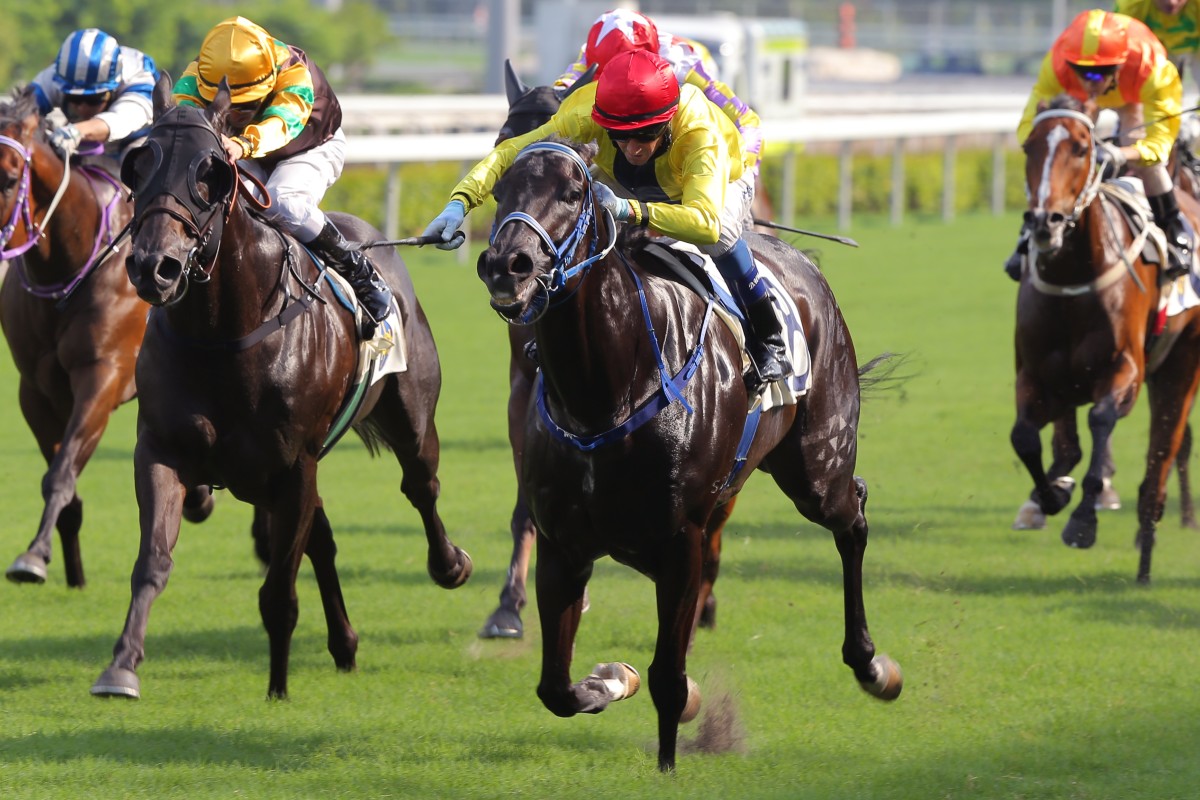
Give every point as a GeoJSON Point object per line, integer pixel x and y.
{"type": "Point", "coordinates": [692, 268]}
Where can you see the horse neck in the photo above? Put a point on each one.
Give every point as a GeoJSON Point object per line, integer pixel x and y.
{"type": "Point", "coordinates": [241, 290]}
{"type": "Point", "coordinates": [595, 351]}
{"type": "Point", "coordinates": [71, 230]}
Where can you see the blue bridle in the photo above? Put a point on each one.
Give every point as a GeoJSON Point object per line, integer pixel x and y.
{"type": "Point", "coordinates": [561, 272]}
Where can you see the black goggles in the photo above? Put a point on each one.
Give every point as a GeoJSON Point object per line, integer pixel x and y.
{"type": "Point", "coordinates": [645, 135]}
{"type": "Point", "coordinates": [1095, 73]}
{"type": "Point", "coordinates": [98, 99]}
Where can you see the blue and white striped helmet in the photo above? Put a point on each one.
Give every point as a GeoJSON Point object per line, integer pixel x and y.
{"type": "Point", "coordinates": [89, 62]}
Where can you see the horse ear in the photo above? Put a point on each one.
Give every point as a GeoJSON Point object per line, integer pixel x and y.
{"type": "Point", "coordinates": [1042, 106]}
{"type": "Point", "coordinates": [514, 87]}
{"type": "Point", "coordinates": [1091, 109]}
{"type": "Point", "coordinates": [164, 100]}
{"type": "Point", "coordinates": [219, 106]}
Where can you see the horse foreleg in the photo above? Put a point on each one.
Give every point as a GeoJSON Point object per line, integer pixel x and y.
{"type": "Point", "coordinates": [1080, 530]}
{"type": "Point", "coordinates": [1049, 496]}
{"type": "Point", "coordinates": [289, 522]}
{"type": "Point", "coordinates": [677, 589]}
{"type": "Point", "coordinates": [878, 674]}
{"type": "Point", "coordinates": [322, 552]}
{"type": "Point", "coordinates": [561, 586]}
{"type": "Point", "coordinates": [505, 621]}
{"type": "Point", "coordinates": [1187, 510]}
{"type": "Point", "coordinates": [160, 501]}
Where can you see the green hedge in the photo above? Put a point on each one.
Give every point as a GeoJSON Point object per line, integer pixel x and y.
{"type": "Point", "coordinates": [425, 187]}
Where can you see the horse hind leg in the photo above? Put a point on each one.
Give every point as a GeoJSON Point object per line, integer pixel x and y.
{"type": "Point", "coordinates": [1187, 509]}
{"type": "Point", "coordinates": [416, 449]}
{"type": "Point", "coordinates": [877, 674]}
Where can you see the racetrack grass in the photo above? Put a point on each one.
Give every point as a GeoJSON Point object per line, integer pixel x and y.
{"type": "Point", "coordinates": [1031, 670]}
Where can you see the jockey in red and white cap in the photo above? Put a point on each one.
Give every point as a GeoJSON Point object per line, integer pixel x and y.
{"type": "Point", "coordinates": [621, 30]}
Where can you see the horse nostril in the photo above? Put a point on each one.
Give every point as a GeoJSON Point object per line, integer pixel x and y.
{"type": "Point", "coordinates": [168, 271]}
{"type": "Point", "coordinates": [521, 265]}
{"type": "Point", "coordinates": [1057, 218]}
{"type": "Point", "coordinates": [1028, 217]}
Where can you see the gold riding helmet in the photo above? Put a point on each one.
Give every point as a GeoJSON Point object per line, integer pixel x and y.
{"type": "Point", "coordinates": [241, 52]}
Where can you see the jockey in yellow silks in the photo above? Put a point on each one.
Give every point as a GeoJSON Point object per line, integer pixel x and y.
{"type": "Point", "coordinates": [1117, 62]}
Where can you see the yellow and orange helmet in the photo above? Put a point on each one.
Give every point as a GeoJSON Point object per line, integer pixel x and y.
{"type": "Point", "coordinates": [244, 54]}
{"type": "Point", "coordinates": [1096, 38]}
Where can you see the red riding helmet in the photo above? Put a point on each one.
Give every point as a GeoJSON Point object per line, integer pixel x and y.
{"type": "Point", "coordinates": [1096, 38]}
{"type": "Point", "coordinates": [637, 89]}
{"type": "Point", "coordinates": [619, 31]}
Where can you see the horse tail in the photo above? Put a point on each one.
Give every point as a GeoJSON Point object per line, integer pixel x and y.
{"type": "Point", "coordinates": [372, 436]}
{"type": "Point", "coordinates": [882, 374]}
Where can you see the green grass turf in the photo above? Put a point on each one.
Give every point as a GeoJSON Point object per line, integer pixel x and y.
{"type": "Point", "coordinates": [1031, 670]}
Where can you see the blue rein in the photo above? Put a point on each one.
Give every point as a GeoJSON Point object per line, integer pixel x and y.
{"type": "Point", "coordinates": [670, 386]}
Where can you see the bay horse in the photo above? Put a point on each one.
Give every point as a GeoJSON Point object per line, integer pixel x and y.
{"type": "Point", "coordinates": [71, 318]}
{"type": "Point", "coordinates": [245, 365]}
{"type": "Point", "coordinates": [603, 477]}
{"type": "Point", "coordinates": [1086, 328]}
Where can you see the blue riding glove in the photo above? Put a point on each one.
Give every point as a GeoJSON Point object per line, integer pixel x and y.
{"type": "Point", "coordinates": [446, 224]}
{"type": "Point", "coordinates": [65, 141]}
{"type": "Point", "coordinates": [617, 206]}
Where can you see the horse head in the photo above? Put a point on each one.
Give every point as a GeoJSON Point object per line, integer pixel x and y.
{"type": "Point", "coordinates": [547, 215]}
{"type": "Point", "coordinates": [1061, 175]}
{"type": "Point", "coordinates": [22, 138]}
{"type": "Point", "coordinates": [183, 188]}
{"type": "Point", "coordinates": [530, 107]}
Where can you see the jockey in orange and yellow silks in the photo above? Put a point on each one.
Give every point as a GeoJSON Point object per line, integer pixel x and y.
{"type": "Point", "coordinates": [1115, 61]}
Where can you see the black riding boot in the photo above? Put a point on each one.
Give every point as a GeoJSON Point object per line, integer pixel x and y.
{"type": "Point", "coordinates": [766, 347]}
{"type": "Point", "coordinates": [353, 265]}
{"type": "Point", "coordinates": [1013, 266]}
{"type": "Point", "coordinates": [1181, 238]}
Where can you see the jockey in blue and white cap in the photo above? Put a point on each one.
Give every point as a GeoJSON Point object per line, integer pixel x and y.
{"type": "Point", "coordinates": [103, 90]}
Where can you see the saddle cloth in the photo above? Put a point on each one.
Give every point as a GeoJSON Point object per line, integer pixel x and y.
{"type": "Point", "coordinates": [386, 352]}
{"type": "Point", "coordinates": [1178, 295]}
{"type": "Point", "coordinates": [777, 393]}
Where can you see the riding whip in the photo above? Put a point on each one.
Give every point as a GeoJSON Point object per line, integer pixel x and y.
{"type": "Point", "coordinates": [419, 241]}
{"type": "Point", "coordinates": [839, 239]}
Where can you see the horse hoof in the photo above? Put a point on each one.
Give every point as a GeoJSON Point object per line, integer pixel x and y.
{"type": "Point", "coordinates": [117, 682]}
{"type": "Point", "coordinates": [28, 568]}
{"type": "Point", "coordinates": [502, 624]}
{"type": "Point", "coordinates": [888, 678]}
{"type": "Point", "coordinates": [622, 680]}
{"type": "Point", "coordinates": [692, 707]}
{"type": "Point", "coordinates": [1079, 535]}
{"type": "Point", "coordinates": [458, 576]}
{"type": "Point", "coordinates": [1029, 517]}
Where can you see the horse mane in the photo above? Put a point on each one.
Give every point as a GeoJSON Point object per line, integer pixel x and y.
{"type": "Point", "coordinates": [22, 104]}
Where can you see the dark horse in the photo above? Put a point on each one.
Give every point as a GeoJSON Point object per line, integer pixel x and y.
{"type": "Point", "coordinates": [73, 322]}
{"type": "Point", "coordinates": [1086, 328]}
{"type": "Point", "coordinates": [603, 477]}
{"type": "Point", "coordinates": [244, 367]}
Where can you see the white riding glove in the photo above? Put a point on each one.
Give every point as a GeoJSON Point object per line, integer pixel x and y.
{"type": "Point", "coordinates": [1110, 158]}
{"type": "Point", "coordinates": [446, 225]}
{"type": "Point", "coordinates": [617, 206]}
{"type": "Point", "coordinates": [65, 141]}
